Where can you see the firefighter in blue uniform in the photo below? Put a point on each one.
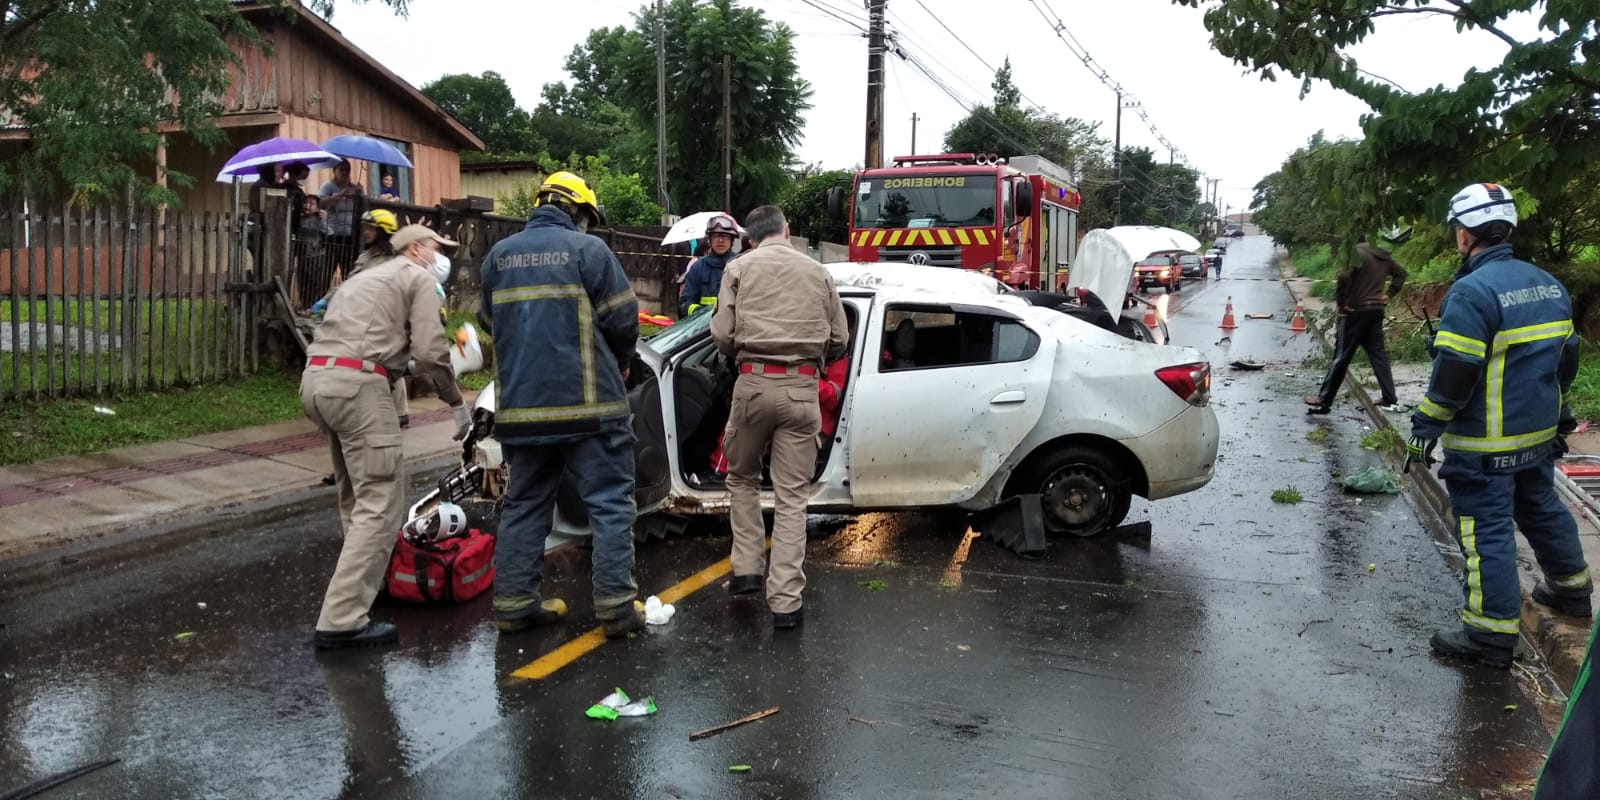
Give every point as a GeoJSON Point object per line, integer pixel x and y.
{"type": "Point", "coordinates": [1503, 360]}
{"type": "Point", "coordinates": [565, 324]}
{"type": "Point", "coordinates": [703, 280]}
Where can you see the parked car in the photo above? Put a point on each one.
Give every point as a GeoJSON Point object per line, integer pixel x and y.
{"type": "Point", "coordinates": [1221, 243]}
{"type": "Point", "coordinates": [1029, 401]}
{"type": "Point", "coordinates": [1160, 269]}
{"type": "Point", "coordinates": [1192, 266]}
{"type": "Point", "coordinates": [1213, 258]}
{"type": "Point", "coordinates": [1237, 233]}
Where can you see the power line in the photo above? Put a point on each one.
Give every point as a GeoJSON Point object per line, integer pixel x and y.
{"type": "Point", "coordinates": [837, 14]}
{"type": "Point", "coordinates": [1059, 28]}
{"type": "Point", "coordinates": [976, 55]}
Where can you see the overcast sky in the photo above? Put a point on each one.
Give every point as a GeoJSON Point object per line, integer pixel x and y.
{"type": "Point", "coordinates": [1226, 123]}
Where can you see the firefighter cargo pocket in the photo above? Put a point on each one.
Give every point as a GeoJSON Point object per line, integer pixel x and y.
{"type": "Point", "coordinates": [382, 456]}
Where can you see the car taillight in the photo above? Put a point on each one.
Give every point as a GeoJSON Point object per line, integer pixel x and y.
{"type": "Point", "coordinates": [1192, 382]}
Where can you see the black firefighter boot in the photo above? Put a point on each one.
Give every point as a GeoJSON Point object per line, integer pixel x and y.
{"type": "Point", "coordinates": [1570, 603]}
{"type": "Point", "coordinates": [619, 622]}
{"type": "Point", "coordinates": [1478, 649]}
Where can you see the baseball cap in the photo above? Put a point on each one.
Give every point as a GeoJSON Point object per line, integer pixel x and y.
{"type": "Point", "coordinates": [411, 234]}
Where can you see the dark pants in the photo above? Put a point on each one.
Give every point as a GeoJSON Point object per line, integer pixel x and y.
{"type": "Point", "coordinates": [603, 466]}
{"type": "Point", "coordinates": [1363, 330]}
{"type": "Point", "coordinates": [1572, 771]}
{"type": "Point", "coordinates": [1489, 509]}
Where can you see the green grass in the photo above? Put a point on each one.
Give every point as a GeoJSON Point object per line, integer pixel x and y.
{"type": "Point", "coordinates": [1585, 394]}
{"type": "Point", "coordinates": [33, 431]}
{"type": "Point", "coordinates": [873, 585]}
{"type": "Point", "coordinates": [1317, 264]}
{"type": "Point", "coordinates": [1317, 435]}
{"type": "Point", "coordinates": [1380, 439]}
{"type": "Point", "coordinates": [106, 315]}
{"type": "Point", "coordinates": [1288, 495]}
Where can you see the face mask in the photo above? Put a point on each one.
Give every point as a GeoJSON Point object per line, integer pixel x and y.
{"type": "Point", "coordinates": [440, 268]}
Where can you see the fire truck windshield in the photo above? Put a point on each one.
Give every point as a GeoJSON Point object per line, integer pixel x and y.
{"type": "Point", "coordinates": [925, 201]}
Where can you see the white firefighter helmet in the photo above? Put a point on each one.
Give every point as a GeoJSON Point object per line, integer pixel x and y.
{"type": "Point", "coordinates": [1483, 203]}
{"type": "Point", "coordinates": [445, 521]}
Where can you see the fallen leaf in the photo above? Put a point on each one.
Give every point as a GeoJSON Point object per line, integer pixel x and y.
{"type": "Point", "coordinates": [1372, 567]}
{"type": "Point", "coordinates": [184, 635]}
{"type": "Point", "coordinates": [965, 648]}
{"type": "Point", "coordinates": [739, 768]}
{"type": "Point", "coordinates": [1510, 707]}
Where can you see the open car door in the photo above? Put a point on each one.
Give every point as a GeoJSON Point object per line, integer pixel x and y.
{"type": "Point", "coordinates": [955, 389]}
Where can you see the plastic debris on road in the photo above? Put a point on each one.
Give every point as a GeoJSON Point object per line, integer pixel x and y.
{"type": "Point", "coordinates": [657, 612]}
{"type": "Point", "coordinates": [1247, 364]}
{"type": "Point", "coordinates": [617, 704]}
{"type": "Point", "coordinates": [1372, 480]}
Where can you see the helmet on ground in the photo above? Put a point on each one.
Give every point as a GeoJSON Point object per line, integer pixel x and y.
{"type": "Point", "coordinates": [722, 223]}
{"type": "Point", "coordinates": [1482, 203]}
{"type": "Point", "coordinates": [568, 188]}
{"type": "Point", "coordinates": [382, 219]}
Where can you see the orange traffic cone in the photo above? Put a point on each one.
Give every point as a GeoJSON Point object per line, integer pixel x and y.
{"type": "Point", "coordinates": [1227, 316]}
{"type": "Point", "coordinates": [1298, 324]}
{"type": "Point", "coordinates": [1151, 321]}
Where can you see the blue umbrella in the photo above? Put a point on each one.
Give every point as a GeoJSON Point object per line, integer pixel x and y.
{"type": "Point", "coordinates": [277, 150]}
{"type": "Point", "coordinates": [366, 148]}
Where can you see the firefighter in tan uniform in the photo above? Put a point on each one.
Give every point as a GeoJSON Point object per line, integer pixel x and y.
{"type": "Point", "coordinates": [779, 317]}
{"type": "Point", "coordinates": [376, 321]}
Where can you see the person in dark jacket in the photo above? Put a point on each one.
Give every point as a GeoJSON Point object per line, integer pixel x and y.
{"type": "Point", "coordinates": [1362, 298]}
{"type": "Point", "coordinates": [1504, 359]}
{"type": "Point", "coordinates": [565, 323]}
{"type": "Point", "coordinates": [1572, 769]}
{"type": "Point", "coordinates": [704, 278]}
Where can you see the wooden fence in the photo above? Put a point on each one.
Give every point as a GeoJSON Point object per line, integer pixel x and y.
{"type": "Point", "coordinates": [102, 300]}
{"type": "Point", "coordinates": [108, 299]}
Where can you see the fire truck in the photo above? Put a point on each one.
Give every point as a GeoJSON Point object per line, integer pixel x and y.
{"type": "Point", "coordinates": [1015, 219]}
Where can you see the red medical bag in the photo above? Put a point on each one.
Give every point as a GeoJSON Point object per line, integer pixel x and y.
{"type": "Point", "coordinates": [452, 570]}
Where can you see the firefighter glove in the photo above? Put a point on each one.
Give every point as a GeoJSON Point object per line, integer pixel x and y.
{"type": "Point", "coordinates": [1420, 450]}
{"type": "Point", "coordinates": [463, 421]}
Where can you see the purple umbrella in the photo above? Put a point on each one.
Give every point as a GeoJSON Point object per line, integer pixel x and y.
{"type": "Point", "coordinates": [277, 150]}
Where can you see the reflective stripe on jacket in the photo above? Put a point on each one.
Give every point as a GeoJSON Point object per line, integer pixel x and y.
{"type": "Point", "coordinates": [565, 324]}
{"type": "Point", "coordinates": [1512, 322]}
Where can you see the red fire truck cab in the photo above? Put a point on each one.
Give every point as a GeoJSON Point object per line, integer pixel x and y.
{"type": "Point", "coordinates": [1016, 220]}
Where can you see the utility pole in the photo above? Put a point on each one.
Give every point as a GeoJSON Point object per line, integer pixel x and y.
{"type": "Point", "coordinates": [1116, 157]}
{"type": "Point", "coordinates": [913, 133]}
{"type": "Point", "coordinates": [1172, 188]}
{"type": "Point", "coordinates": [661, 112]}
{"type": "Point", "coordinates": [727, 134]}
{"type": "Point", "coordinates": [875, 14]}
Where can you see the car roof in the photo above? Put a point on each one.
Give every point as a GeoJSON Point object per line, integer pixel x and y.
{"type": "Point", "coordinates": [892, 280]}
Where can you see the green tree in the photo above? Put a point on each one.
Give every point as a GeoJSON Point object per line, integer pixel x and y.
{"type": "Point", "coordinates": [806, 205]}
{"type": "Point", "coordinates": [1006, 129]}
{"type": "Point", "coordinates": [622, 194]}
{"type": "Point", "coordinates": [769, 98]}
{"type": "Point", "coordinates": [96, 83]}
{"type": "Point", "coordinates": [485, 105]}
{"type": "Point", "coordinates": [1528, 122]}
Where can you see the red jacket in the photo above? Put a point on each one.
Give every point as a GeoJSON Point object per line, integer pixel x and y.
{"type": "Point", "coordinates": [830, 391]}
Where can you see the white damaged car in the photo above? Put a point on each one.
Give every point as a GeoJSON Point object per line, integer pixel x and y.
{"type": "Point", "coordinates": [959, 394]}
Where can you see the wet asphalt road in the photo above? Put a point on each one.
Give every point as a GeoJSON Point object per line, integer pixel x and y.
{"type": "Point", "coordinates": [1236, 649]}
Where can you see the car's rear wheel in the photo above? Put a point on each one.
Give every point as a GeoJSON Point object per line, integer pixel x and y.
{"type": "Point", "coordinates": [1082, 491]}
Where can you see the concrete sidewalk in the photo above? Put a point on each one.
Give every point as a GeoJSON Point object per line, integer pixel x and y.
{"type": "Point", "coordinates": [1560, 639]}
{"type": "Point", "coordinates": [75, 500]}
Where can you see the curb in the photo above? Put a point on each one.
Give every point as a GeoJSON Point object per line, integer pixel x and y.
{"type": "Point", "coordinates": [90, 542]}
{"type": "Point", "coordinates": [1560, 642]}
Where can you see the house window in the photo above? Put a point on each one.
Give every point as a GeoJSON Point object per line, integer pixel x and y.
{"type": "Point", "coordinates": [401, 175]}
{"type": "Point", "coordinates": [928, 336]}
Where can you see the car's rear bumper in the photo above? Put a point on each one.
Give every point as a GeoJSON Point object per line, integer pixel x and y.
{"type": "Point", "coordinates": [1180, 456]}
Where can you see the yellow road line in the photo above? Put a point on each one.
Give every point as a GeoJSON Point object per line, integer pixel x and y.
{"type": "Point", "coordinates": [546, 665]}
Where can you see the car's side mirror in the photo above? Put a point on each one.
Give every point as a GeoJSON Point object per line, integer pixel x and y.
{"type": "Point", "coordinates": [835, 203]}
